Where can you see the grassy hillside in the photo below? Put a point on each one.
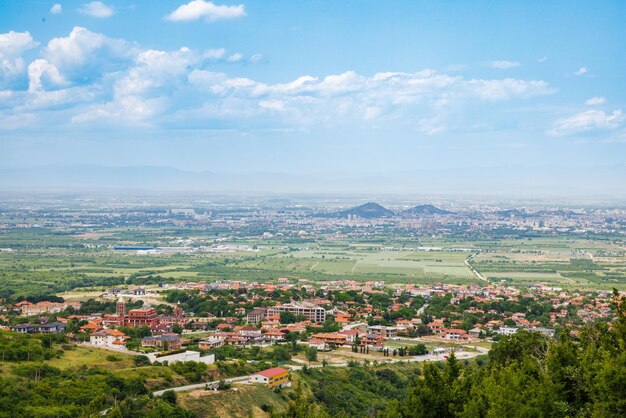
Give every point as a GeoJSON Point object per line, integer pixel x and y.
{"type": "Point", "coordinates": [240, 401]}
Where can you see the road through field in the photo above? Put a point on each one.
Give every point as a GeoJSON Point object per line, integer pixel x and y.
{"type": "Point", "coordinates": [473, 270]}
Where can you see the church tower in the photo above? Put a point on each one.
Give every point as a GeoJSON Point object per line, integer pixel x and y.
{"type": "Point", "coordinates": [178, 311]}
{"type": "Point", "coordinates": [120, 309]}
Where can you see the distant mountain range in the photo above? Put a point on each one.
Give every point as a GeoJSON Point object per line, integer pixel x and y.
{"type": "Point", "coordinates": [475, 182]}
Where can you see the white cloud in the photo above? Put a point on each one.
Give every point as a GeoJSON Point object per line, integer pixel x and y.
{"type": "Point", "coordinates": [595, 101]}
{"type": "Point", "coordinates": [427, 99]}
{"type": "Point", "coordinates": [236, 57]}
{"type": "Point", "coordinates": [60, 98]}
{"type": "Point", "coordinates": [210, 12]}
{"type": "Point", "coordinates": [155, 70]}
{"type": "Point", "coordinates": [504, 65]}
{"type": "Point", "coordinates": [272, 104]}
{"type": "Point", "coordinates": [128, 109]}
{"type": "Point", "coordinates": [96, 9]}
{"type": "Point", "coordinates": [71, 70]}
{"type": "Point", "coordinates": [56, 9]}
{"type": "Point", "coordinates": [497, 90]}
{"type": "Point", "coordinates": [214, 53]}
{"type": "Point", "coordinates": [589, 120]}
{"type": "Point", "coordinates": [43, 74]}
{"type": "Point", "coordinates": [93, 80]}
{"type": "Point", "coordinates": [542, 60]}
{"type": "Point", "coordinates": [13, 44]}
{"type": "Point", "coordinates": [12, 65]}
{"type": "Point", "coordinates": [581, 71]}
{"type": "Point", "coordinates": [256, 58]}
{"type": "Point", "coordinates": [84, 55]}
{"type": "Point", "coordinates": [164, 86]}
{"type": "Point", "coordinates": [153, 85]}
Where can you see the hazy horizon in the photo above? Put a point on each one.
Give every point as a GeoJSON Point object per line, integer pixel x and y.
{"type": "Point", "coordinates": [520, 183]}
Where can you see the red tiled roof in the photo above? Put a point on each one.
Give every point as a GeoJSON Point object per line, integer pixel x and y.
{"type": "Point", "coordinates": [276, 333]}
{"type": "Point", "coordinates": [269, 373]}
{"type": "Point", "coordinates": [352, 332]}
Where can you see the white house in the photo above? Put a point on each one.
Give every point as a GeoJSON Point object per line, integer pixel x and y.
{"type": "Point", "coordinates": [506, 331]}
{"type": "Point", "coordinates": [108, 338]}
{"type": "Point", "coordinates": [249, 332]}
{"type": "Point", "coordinates": [274, 336]}
{"type": "Point", "coordinates": [211, 342]}
{"type": "Point", "coordinates": [454, 334]}
{"type": "Point", "coordinates": [317, 343]}
{"type": "Point", "coordinates": [351, 334]}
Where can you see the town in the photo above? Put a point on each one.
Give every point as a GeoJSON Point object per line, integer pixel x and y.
{"type": "Point", "coordinates": [347, 316]}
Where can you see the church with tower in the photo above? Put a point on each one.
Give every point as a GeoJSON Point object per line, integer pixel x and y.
{"type": "Point", "coordinates": [144, 316]}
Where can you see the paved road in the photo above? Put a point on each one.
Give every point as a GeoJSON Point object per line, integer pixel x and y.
{"type": "Point", "coordinates": [427, 357]}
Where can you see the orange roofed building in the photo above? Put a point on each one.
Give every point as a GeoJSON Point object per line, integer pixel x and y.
{"type": "Point", "coordinates": [342, 318]}
{"type": "Point", "coordinates": [455, 334]}
{"type": "Point", "coordinates": [108, 338]}
{"type": "Point", "coordinates": [274, 377]}
{"type": "Point", "coordinates": [330, 338]}
{"type": "Point", "coordinates": [145, 316]}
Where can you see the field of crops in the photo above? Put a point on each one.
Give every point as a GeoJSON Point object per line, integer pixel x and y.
{"type": "Point", "coordinates": [44, 261]}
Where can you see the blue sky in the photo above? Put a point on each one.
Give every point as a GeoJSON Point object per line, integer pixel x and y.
{"type": "Point", "coordinates": [310, 87]}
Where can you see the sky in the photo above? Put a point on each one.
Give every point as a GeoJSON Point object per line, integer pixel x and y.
{"type": "Point", "coordinates": [312, 87]}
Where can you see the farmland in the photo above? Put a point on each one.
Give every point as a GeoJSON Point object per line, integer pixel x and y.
{"type": "Point", "coordinates": [51, 263]}
{"type": "Point", "coordinates": [562, 262]}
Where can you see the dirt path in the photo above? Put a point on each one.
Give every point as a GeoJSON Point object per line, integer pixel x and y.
{"type": "Point", "coordinates": [473, 270]}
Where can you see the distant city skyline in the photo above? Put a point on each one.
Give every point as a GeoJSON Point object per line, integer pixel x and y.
{"type": "Point", "coordinates": [320, 87]}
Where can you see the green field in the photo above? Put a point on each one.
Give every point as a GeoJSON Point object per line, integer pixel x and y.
{"type": "Point", "coordinates": [416, 264]}
{"type": "Point", "coordinates": [563, 261]}
{"type": "Point", "coordinates": [92, 357]}
{"type": "Point", "coordinates": [47, 261]}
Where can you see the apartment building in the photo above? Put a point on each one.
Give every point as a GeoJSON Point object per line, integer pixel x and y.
{"type": "Point", "coordinates": [310, 311]}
